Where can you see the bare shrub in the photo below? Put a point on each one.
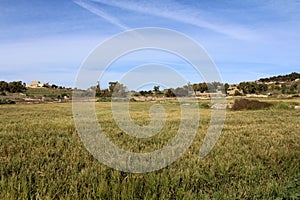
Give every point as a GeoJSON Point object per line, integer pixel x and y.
{"type": "Point", "coordinates": [245, 104]}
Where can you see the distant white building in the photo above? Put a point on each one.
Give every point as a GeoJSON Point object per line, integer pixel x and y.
{"type": "Point", "coordinates": [34, 84]}
{"type": "Point", "coordinates": [37, 84]}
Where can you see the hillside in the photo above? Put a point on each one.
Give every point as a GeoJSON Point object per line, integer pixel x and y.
{"type": "Point", "coordinates": [16, 91]}
{"type": "Point", "coordinates": [276, 86]}
{"type": "Point", "coordinates": [282, 85]}
{"type": "Point", "coordinates": [282, 78]}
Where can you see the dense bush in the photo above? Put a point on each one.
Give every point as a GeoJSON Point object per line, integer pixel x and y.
{"type": "Point", "coordinates": [282, 105]}
{"type": "Point", "coordinates": [252, 87]}
{"type": "Point", "coordinates": [204, 105]}
{"type": "Point", "coordinates": [245, 104]}
{"type": "Point", "coordinates": [104, 99]}
{"type": "Point", "coordinates": [13, 87]}
{"type": "Point", "coordinates": [7, 101]}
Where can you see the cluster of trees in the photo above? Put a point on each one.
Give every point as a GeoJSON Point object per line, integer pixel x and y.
{"type": "Point", "coordinates": [13, 87]}
{"type": "Point", "coordinates": [146, 93]}
{"type": "Point", "coordinates": [187, 89]}
{"type": "Point", "coordinates": [252, 87]}
{"type": "Point", "coordinates": [118, 89]}
{"type": "Point", "coordinates": [155, 91]}
{"type": "Point", "coordinates": [260, 88]}
{"type": "Point", "coordinates": [289, 89]}
{"type": "Point", "coordinates": [201, 87]}
{"type": "Point", "coordinates": [115, 89]}
{"type": "Point", "coordinates": [210, 87]}
{"type": "Point", "coordinates": [54, 86]}
{"type": "Point", "coordinates": [282, 78]}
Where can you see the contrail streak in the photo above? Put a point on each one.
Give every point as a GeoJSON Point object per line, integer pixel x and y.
{"type": "Point", "coordinates": [90, 7]}
{"type": "Point", "coordinates": [182, 14]}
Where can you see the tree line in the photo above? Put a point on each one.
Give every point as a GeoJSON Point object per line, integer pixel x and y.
{"type": "Point", "coordinates": [252, 87]}
{"type": "Point", "coordinates": [282, 78]}
{"type": "Point", "coordinates": [261, 88]}
{"type": "Point", "coordinates": [119, 90]}
{"type": "Point", "coordinates": [12, 87]}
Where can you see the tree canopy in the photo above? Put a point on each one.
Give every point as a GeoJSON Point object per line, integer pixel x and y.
{"type": "Point", "coordinates": [13, 87]}
{"type": "Point", "coordinates": [289, 77]}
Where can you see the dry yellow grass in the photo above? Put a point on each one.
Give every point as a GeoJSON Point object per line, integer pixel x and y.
{"type": "Point", "coordinates": [42, 157]}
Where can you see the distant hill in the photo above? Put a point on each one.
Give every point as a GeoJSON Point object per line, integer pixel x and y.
{"type": "Point", "coordinates": [282, 78]}
{"type": "Point", "coordinates": [276, 85]}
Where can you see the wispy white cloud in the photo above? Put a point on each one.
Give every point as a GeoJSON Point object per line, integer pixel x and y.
{"type": "Point", "coordinates": [182, 13]}
{"type": "Point", "coordinates": [96, 10]}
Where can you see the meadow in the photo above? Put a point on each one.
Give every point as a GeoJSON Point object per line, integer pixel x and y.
{"type": "Point", "coordinates": [256, 157]}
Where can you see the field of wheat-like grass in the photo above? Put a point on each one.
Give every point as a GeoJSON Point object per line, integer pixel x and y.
{"type": "Point", "coordinates": [42, 156]}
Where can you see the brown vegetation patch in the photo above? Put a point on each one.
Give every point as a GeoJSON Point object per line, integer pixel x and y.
{"type": "Point", "coordinates": [245, 104]}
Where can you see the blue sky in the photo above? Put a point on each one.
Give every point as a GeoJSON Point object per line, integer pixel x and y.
{"type": "Point", "coordinates": [49, 40]}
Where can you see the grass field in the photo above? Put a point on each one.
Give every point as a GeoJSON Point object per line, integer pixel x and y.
{"type": "Point", "coordinates": [42, 156]}
{"type": "Point", "coordinates": [47, 92]}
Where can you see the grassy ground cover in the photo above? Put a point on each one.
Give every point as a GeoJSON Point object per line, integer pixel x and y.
{"type": "Point", "coordinates": [42, 156]}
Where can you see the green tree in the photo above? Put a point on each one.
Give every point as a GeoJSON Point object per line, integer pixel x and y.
{"type": "Point", "coordinates": [293, 88]}
{"type": "Point", "coordinates": [118, 89]}
{"type": "Point", "coordinates": [203, 87]}
{"type": "Point", "coordinates": [3, 86]}
{"type": "Point", "coordinates": [237, 93]}
{"type": "Point", "coordinates": [247, 87]}
{"type": "Point", "coordinates": [262, 87]}
{"type": "Point", "coordinates": [16, 86]}
{"type": "Point", "coordinates": [156, 89]}
{"type": "Point", "coordinates": [98, 90]}
{"type": "Point", "coordinates": [196, 87]}
{"type": "Point", "coordinates": [283, 88]}
{"type": "Point", "coordinates": [252, 88]}
{"type": "Point", "coordinates": [105, 93]}
{"type": "Point", "coordinates": [146, 93]}
{"type": "Point", "coordinates": [226, 86]}
{"type": "Point", "coordinates": [112, 86]}
{"type": "Point", "coordinates": [170, 93]}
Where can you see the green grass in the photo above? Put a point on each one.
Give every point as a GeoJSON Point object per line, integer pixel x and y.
{"type": "Point", "coordinates": [47, 92]}
{"type": "Point", "coordinates": [42, 156]}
